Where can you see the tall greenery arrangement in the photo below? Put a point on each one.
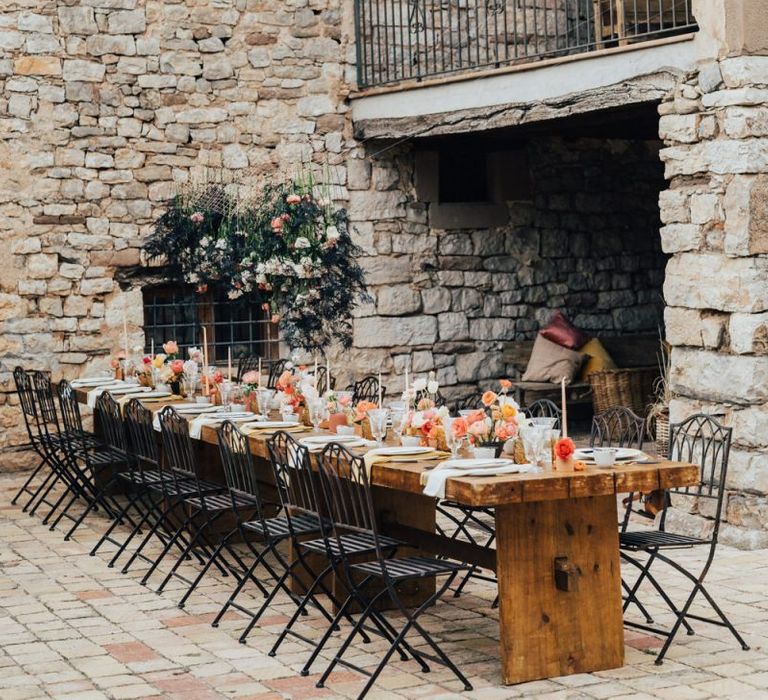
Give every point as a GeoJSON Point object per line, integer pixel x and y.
{"type": "Point", "coordinates": [288, 249]}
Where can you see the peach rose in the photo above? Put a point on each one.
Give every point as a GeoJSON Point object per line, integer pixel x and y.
{"type": "Point", "coordinates": [171, 347]}
{"type": "Point", "coordinates": [475, 417]}
{"type": "Point", "coordinates": [277, 224]}
{"type": "Point", "coordinates": [505, 384]}
{"type": "Point", "coordinates": [275, 318]}
{"type": "Point", "coordinates": [477, 428]}
{"type": "Point", "coordinates": [505, 431]}
{"type": "Point", "coordinates": [177, 366]}
{"type": "Point", "coordinates": [218, 377]}
{"type": "Point", "coordinates": [345, 400]}
{"type": "Point", "coordinates": [293, 199]}
{"type": "Point", "coordinates": [488, 398]}
{"type": "Point", "coordinates": [459, 427]}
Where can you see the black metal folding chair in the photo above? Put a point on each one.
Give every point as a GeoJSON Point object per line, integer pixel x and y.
{"type": "Point", "coordinates": [322, 380]}
{"type": "Point", "coordinates": [543, 408]}
{"type": "Point", "coordinates": [366, 389]}
{"type": "Point", "coordinates": [203, 503]}
{"type": "Point", "coordinates": [157, 492]}
{"type": "Point", "coordinates": [347, 495]}
{"type": "Point", "coordinates": [100, 460]}
{"type": "Point", "coordinates": [39, 441]}
{"type": "Point", "coordinates": [252, 521]}
{"type": "Point", "coordinates": [700, 439]}
{"type": "Point", "coordinates": [248, 363]}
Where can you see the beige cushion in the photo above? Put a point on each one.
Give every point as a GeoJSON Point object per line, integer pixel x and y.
{"type": "Point", "coordinates": [551, 362]}
{"type": "Point", "coordinates": [598, 358]}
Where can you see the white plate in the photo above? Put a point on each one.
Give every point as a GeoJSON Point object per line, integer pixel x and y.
{"type": "Point", "coordinates": [476, 463]}
{"type": "Point", "coordinates": [402, 450]}
{"type": "Point", "coordinates": [273, 424]}
{"type": "Point", "coordinates": [93, 382]}
{"type": "Point", "coordinates": [622, 454]}
{"type": "Point", "coordinates": [130, 389]}
{"type": "Point", "coordinates": [194, 408]}
{"type": "Point", "coordinates": [325, 439]}
{"type": "Point", "coordinates": [154, 395]}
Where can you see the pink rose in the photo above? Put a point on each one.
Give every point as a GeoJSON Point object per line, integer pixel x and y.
{"type": "Point", "coordinates": [197, 218]}
{"type": "Point", "coordinates": [277, 224]}
{"type": "Point", "coordinates": [251, 377]}
{"type": "Point", "coordinates": [459, 427]}
{"type": "Point", "coordinates": [477, 428]}
{"type": "Point", "coordinates": [177, 366]}
{"type": "Point", "coordinates": [345, 400]}
{"type": "Point", "coordinates": [293, 199]}
{"type": "Point", "coordinates": [171, 347]}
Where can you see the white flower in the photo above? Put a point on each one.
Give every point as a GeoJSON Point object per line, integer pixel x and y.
{"type": "Point", "coordinates": [443, 413]}
{"type": "Point", "coordinates": [432, 387]}
{"type": "Point", "coordinates": [418, 419]}
{"type": "Point", "coordinates": [420, 384]}
{"type": "Point", "coordinates": [205, 242]}
{"type": "Point", "coordinates": [332, 233]}
{"type": "Point", "coordinates": [190, 367]}
{"type": "Point", "coordinates": [221, 244]}
{"type": "Point", "coordinates": [195, 354]}
{"type": "Point", "coordinates": [301, 242]}
{"type": "Point", "coordinates": [235, 293]}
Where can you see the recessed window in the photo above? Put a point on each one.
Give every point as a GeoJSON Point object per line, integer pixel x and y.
{"type": "Point", "coordinates": [174, 312]}
{"type": "Point", "coordinates": [463, 176]}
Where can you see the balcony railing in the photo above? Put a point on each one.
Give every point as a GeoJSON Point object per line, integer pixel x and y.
{"type": "Point", "coordinates": [401, 40]}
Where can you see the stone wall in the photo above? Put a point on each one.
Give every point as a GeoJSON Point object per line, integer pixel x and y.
{"type": "Point", "coordinates": [715, 213]}
{"type": "Point", "coordinates": [106, 106]}
{"type": "Point", "coordinates": [586, 243]}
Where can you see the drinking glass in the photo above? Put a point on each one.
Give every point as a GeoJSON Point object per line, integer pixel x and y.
{"type": "Point", "coordinates": [317, 411]}
{"type": "Point", "coordinates": [398, 416]}
{"type": "Point", "coordinates": [378, 418]}
{"type": "Point", "coordinates": [264, 398]}
{"type": "Point", "coordinates": [225, 389]}
{"type": "Point", "coordinates": [453, 442]}
{"type": "Point", "coordinates": [534, 438]}
{"type": "Point", "coordinates": [189, 384]}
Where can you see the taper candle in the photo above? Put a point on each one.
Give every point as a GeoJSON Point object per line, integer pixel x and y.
{"type": "Point", "coordinates": [379, 389]}
{"type": "Point", "coordinates": [125, 334]}
{"type": "Point", "coordinates": [229, 364]}
{"type": "Point", "coordinates": [259, 373]}
{"type": "Point", "coordinates": [564, 408]}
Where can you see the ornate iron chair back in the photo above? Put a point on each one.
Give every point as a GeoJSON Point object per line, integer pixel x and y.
{"type": "Point", "coordinates": [544, 408]}
{"type": "Point", "coordinates": [618, 427]}
{"type": "Point", "coordinates": [367, 389]}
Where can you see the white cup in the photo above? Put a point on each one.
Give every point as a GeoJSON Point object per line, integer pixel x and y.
{"type": "Point", "coordinates": [202, 399]}
{"type": "Point", "coordinates": [605, 457]}
{"type": "Point", "coordinates": [410, 441]}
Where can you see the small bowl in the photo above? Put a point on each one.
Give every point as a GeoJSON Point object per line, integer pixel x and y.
{"type": "Point", "coordinates": [605, 457]}
{"type": "Point", "coordinates": [290, 417]}
{"type": "Point", "coordinates": [202, 399]}
{"type": "Point", "coordinates": [410, 441]}
{"type": "Point", "coordinates": [345, 430]}
{"type": "Point", "coordinates": [237, 407]}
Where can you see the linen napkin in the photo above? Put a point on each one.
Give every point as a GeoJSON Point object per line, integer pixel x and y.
{"type": "Point", "coordinates": [374, 457]}
{"type": "Point", "coordinates": [213, 419]}
{"type": "Point", "coordinates": [114, 388]}
{"type": "Point", "coordinates": [434, 480]}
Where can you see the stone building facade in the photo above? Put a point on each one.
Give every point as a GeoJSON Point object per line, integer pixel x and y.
{"type": "Point", "coordinates": [107, 106]}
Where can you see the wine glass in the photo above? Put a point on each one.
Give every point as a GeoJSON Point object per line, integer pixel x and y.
{"type": "Point", "coordinates": [398, 418]}
{"type": "Point", "coordinates": [378, 418]}
{"type": "Point", "coordinates": [534, 438]}
{"type": "Point", "coordinates": [317, 411]}
{"type": "Point", "coordinates": [189, 384]}
{"type": "Point", "coordinates": [453, 442]}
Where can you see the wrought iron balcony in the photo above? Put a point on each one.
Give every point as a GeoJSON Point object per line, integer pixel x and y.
{"type": "Point", "coordinates": [401, 40]}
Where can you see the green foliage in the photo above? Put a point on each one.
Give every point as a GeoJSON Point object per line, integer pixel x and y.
{"type": "Point", "coordinates": [287, 250]}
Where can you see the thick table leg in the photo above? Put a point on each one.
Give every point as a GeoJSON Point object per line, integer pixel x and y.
{"type": "Point", "coordinates": [559, 588]}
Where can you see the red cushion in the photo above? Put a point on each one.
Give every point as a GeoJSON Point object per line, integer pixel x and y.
{"type": "Point", "coordinates": [561, 331]}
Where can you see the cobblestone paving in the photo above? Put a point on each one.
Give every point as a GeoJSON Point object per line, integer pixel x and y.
{"type": "Point", "coordinates": [72, 628]}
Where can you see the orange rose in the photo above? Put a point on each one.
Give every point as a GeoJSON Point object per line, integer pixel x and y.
{"type": "Point", "coordinates": [488, 398]}
{"type": "Point", "coordinates": [564, 448]}
{"type": "Point", "coordinates": [505, 384]}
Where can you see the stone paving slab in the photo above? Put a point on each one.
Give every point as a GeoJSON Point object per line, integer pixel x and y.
{"type": "Point", "coordinates": [71, 628]}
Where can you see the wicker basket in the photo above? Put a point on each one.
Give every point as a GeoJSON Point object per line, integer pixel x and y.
{"type": "Point", "coordinates": [632, 388]}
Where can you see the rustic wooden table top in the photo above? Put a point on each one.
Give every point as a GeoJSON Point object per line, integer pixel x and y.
{"type": "Point", "coordinates": [547, 485]}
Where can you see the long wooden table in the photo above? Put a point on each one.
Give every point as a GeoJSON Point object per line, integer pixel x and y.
{"type": "Point", "coordinates": [556, 558]}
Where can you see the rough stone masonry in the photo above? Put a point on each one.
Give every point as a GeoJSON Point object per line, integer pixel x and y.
{"type": "Point", "coordinates": [107, 106]}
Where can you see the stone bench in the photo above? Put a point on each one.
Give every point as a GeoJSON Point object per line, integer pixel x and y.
{"type": "Point", "coordinates": [637, 350]}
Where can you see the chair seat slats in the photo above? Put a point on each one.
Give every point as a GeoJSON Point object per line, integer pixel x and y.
{"type": "Point", "coordinates": [410, 567]}
{"type": "Point", "coordinates": [656, 538]}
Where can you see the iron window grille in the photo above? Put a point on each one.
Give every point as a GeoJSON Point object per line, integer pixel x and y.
{"type": "Point", "coordinates": [173, 312]}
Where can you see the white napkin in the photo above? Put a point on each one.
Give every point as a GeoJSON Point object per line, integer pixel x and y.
{"type": "Point", "coordinates": [196, 425]}
{"type": "Point", "coordinates": [93, 381]}
{"type": "Point", "coordinates": [113, 387]}
{"type": "Point", "coordinates": [436, 479]}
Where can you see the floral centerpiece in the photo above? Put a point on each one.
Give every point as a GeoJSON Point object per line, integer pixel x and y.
{"type": "Point", "coordinates": [287, 249]}
{"type": "Point", "coordinates": [498, 421]}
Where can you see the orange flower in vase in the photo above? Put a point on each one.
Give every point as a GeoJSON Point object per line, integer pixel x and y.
{"type": "Point", "coordinates": [564, 449]}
